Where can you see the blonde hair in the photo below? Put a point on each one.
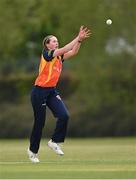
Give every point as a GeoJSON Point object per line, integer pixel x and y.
{"type": "Point", "coordinates": [46, 40]}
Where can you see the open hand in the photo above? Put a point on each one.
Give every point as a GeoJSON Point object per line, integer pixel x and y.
{"type": "Point", "coordinates": [84, 33]}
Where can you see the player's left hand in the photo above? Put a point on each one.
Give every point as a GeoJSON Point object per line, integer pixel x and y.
{"type": "Point", "coordinates": [84, 33]}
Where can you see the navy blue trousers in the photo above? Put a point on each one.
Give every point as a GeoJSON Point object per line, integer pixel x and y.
{"type": "Point", "coordinates": [40, 99]}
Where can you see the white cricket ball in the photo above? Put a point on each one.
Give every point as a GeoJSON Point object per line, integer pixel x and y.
{"type": "Point", "coordinates": [109, 22]}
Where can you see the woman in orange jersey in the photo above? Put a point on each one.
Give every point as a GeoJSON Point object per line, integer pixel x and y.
{"type": "Point", "coordinates": [44, 92]}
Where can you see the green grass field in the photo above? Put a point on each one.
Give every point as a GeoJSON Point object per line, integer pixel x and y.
{"type": "Point", "coordinates": [84, 159]}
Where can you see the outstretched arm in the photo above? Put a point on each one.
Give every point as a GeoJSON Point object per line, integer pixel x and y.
{"type": "Point", "coordinates": [83, 32]}
{"type": "Point", "coordinates": [72, 52]}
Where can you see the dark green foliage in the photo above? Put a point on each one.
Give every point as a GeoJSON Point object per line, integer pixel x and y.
{"type": "Point", "coordinates": [98, 85]}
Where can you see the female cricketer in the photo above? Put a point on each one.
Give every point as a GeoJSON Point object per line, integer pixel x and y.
{"type": "Point", "coordinates": [44, 93]}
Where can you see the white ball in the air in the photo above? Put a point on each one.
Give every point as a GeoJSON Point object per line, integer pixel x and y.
{"type": "Point", "coordinates": [109, 22]}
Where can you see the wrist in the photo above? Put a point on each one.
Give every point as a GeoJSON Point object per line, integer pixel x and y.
{"type": "Point", "coordinates": [79, 41]}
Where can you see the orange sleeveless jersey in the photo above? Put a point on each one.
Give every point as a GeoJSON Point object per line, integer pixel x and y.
{"type": "Point", "coordinates": [49, 72]}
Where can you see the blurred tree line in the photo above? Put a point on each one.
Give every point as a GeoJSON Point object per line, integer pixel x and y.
{"type": "Point", "coordinates": [98, 85]}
